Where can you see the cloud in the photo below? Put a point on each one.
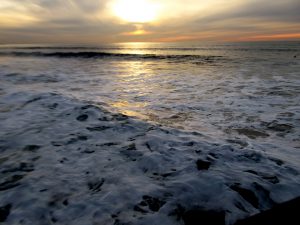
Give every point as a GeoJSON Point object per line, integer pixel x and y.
{"type": "Point", "coordinates": [92, 21]}
{"type": "Point", "coordinates": [269, 10]}
{"type": "Point", "coordinates": [236, 20]}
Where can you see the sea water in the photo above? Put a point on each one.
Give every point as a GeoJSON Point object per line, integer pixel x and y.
{"type": "Point", "coordinates": [141, 133]}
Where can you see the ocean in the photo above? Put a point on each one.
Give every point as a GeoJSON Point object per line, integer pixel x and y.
{"type": "Point", "coordinates": [145, 133]}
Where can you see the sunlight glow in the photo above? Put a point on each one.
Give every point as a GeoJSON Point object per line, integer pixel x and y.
{"type": "Point", "coordinates": [14, 14]}
{"type": "Point", "coordinates": [135, 11]}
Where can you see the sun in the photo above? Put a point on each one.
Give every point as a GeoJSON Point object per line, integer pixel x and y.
{"type": "Point", "coordinates": [135, 11]}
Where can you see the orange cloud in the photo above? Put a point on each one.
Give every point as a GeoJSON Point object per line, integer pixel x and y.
{"type": "Point", "coordinates": [136, 33]}
{"type": "Point", "coordinates": [274, 37]}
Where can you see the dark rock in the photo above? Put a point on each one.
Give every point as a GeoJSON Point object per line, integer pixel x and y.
{"type": "Point", "coordinates": [23, 167]}
{"type": "Point", "coordinates": [66, 202]}
{"type": "Point", "coordinates": [53, 106]}
{"type": "Point", "coordinates": [4, 212]}
{"type": "Point", "coordinates": [284, 213]}
{"type": "Point", "coordinates": [254, 156]}
{"type": "Point", "coordinates": [191, 143]}
{"type": "Point", "coordinates": [279, 127]}
{"type": "Point", "coordinates": [139, 209]}
{"type": "Point", "coordinates": [143, 203]}
{"type": "Point", "coordinates": [11, 182]}
{"type": "Point", "coordinates": [108, 144]}
{"type": "Point", "coordinates": [131, 154]}
{"type": "Point", "coordinates": [72, 141]}
{"type": "Point", "coordinates": [281, 93]}
{"type": "Point", "coordinates": [2, 149]}
{"type": "Point", "coordinates": [149, 147]}
{"type": "Point", "coordinates": [240, 206]}
{"type": "Point", "coordinates": [35, 158]}
{"type": "Point", "coordinates": [103, 119]}
{"type": "Point", "coordinates": [33, 100]}
{"type": "Point", "coordinates": [197, 217]}
{"type": "Point", "coordinates": [76, 139]}
{"type": "Point", "coordinates": [31, 148]}
{"type": "Point", "coordinates": [57, 143]}
{"type": "Point", "coordinates": [279, 162]}
{"type": "Point", "coordinates": [57, 200]}
{"type": "Point", "coordinates": [252, 171]}
{"type": "Point", "coordinates": [203, 165]}
{"type": "Point", "coordinates": [26, 167]}
{"type": "Point", "coordinates": [271, 179]}
{"type": "Point", "coordinates": [251, 133]}
{"type": "Point", "coordinates": [87, 107]}
{"type": "Point", "coordinates": [178, 212]}
{"type": "Point", "coordinates": [213, 155]}
{"type": "Point", "coordinates": [119, 222]}
{"type": "Point", "coordinates": [88, 151]}
{"type": "Point", "coordinates": [95, 186]}
{"type": "Point", "coordinates": [246, 194]}
{"type": "Point", "coordinates": [131, 147]}
{"type": "Point", "coordinates": [162, 175]}
{"type": "Point", "coordinates": [82, 138]}
{"type": "Point", "coordinates": [154, 204]}
{"type": "Point", "coordinates": [82, 118]}
{"type": "Point", "coordinates": [284, 116]}
{"type": "Point", "coordinates": [264, 195]}
{"type": "Point", "coordinates": [98, 128]}
{"type": "Point", "coordinates": [64, 159]}
{"type": "Point", "coordinates": [166, 174]}
{"type": "Point", "coordinates": [120, 117]}
{"type": "Point", "coordinates": [238, 142]}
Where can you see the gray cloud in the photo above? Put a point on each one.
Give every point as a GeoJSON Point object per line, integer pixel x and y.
{"type": "Point", "coordinates": [251, 17]}
{"type": "Point", "coordinates": [56, 20]}
{"type": "Point", "coordinates": [269, 10]}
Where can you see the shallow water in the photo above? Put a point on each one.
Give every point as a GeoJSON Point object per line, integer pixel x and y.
{"type": "Point", "coordinates": [234, 107]}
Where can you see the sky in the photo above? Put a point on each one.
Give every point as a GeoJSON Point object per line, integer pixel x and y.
{"type": "Point", "coordinates": [109, 21]}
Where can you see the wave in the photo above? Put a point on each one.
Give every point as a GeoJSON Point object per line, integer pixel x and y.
{"type": "Point", "coordinates": [87, 54]}
{"type": "Point", "coordinates": [291, 47]}
{"type": "Point", "coordinates": [191, 49]}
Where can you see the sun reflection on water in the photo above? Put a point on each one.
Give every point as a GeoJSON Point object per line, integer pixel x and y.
{"type": "Point", "coordinates": [152, 90]}
{"type": "Point", "coordinates": [134, 80]}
